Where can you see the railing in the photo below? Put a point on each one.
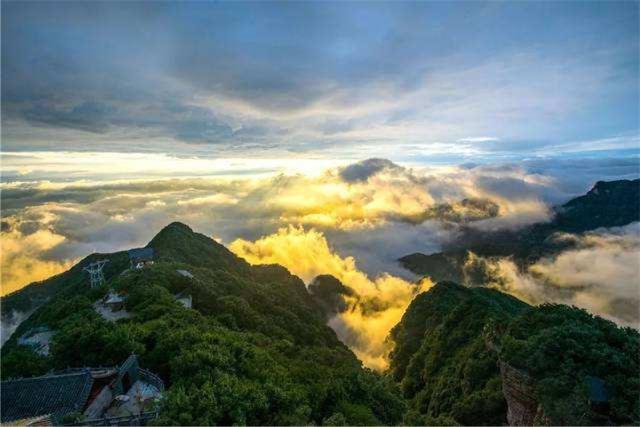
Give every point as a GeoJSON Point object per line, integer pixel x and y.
{"type": "Point", "coordinates": [90, 369]}
{"type": "Point", "coordinates": [127, 420]}
{"type": "Point", "coordinates": [151, 378]}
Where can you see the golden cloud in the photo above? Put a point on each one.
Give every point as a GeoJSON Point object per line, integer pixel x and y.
{"type": "Point", "coordinates": [21, 258]}
{"type": "Point", "coordinates": [307, 254]}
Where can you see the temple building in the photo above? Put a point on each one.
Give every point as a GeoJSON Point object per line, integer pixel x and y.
{"type": "Point", "coordinates": [124, 395]}
{"type": "Point", "coordinates": [114, 301]}
{"type": "Point", "coordinates": [111, 307]}
{"type": "Point", "coordinates": [141, 257]}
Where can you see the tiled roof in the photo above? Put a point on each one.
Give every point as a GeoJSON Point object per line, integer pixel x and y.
{"type": "Point", "coordinates": [50, 394]}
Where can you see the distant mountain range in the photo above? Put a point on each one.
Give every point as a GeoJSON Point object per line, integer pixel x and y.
{"type": "Point", "coordinates": [607, 204]}
{"type": "Point", "coordinates": [253, 345]}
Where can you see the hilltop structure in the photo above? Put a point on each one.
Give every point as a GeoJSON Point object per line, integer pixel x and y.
{"type": "Point", "coordinates": [141, 257]}
{"type": "Point", "coordinates": [111, 307]}
{"type": "Point", "coordinates": [123, 395]}
{"type": "Point", "coordinates": [185, 299]}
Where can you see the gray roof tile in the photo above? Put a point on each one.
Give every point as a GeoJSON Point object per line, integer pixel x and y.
{"type": "Point", "coordinates": [50, 394]}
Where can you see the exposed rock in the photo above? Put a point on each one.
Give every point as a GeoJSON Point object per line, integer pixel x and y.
{"type": "Point", "coordinates": [518, 388]}
{"type": "Point", "coordinates": [185, 273]}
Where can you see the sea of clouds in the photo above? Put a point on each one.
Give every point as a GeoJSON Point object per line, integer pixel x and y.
{"type": "Point", "coordinates": [352, 221]}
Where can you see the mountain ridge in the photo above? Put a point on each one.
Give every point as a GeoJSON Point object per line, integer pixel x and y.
{"type": "Point", "coordinates": [607, 204]}
{"type": "Point", "coordinates": [253, 349]}
{"type": "Point", "coordinates": [455, 347]}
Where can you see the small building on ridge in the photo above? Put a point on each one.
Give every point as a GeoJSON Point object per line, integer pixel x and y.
{"type": "Point", "coordinates": [140, 257]}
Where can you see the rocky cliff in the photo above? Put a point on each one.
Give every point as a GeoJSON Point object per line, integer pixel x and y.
{"type": "Point", "coordinates": [519, 391]}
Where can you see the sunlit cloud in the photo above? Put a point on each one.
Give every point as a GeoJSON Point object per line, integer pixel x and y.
{"type": "Point", "coordinates": [21, 261]}
{"type": "Point", "coordinates": [600, 273]}
{"type": "Point", "coordinates": [376, 211]}
{"type": "Point", "coordinates": [352, 221]}
{"type": "Point", "coordinates": [307, 254]}
{"type": "Point", "coordinates": [67, 166]}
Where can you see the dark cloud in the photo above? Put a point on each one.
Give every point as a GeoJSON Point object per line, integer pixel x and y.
{"type": "Point", "coordinates": [311, 76]}
{"type": "Point", "coordinates": [156, 116]}
{"type": "Point", "coordinates": [365, 169]}
{"type": "Point", "coordinates": [87, 116]}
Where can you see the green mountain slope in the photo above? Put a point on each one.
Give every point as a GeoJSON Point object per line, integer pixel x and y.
{"type": "Point", "coordinates": [453, 343]}
{"type": "Point", "coordinates": [253, 350]}
{"type": "Point", "coordinates": [178, 243]}
{"type": "Point", "coordinates": [564, 349]}
{"type": "Point", "coordinates": [35, 294]}
{"type": "Point", "coordinates": [440, 358]}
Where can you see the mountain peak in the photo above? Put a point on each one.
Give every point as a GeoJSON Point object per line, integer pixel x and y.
{"type": "Point", "coordinates": [607, 204]}
{"type": "Point", "coordinates": [329, 292]}
{"type": "Point", "coordinates": [619, 185]}
{"type": "Point", "coordinates": [179, 243]}
{"type": "Point", "coordinates": [177, 225]}
{"type": "Point", "coordinates": [174, 230]}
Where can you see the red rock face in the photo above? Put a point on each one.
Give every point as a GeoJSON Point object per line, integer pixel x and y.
{"type": "Point", "coordinates": [518, 389]}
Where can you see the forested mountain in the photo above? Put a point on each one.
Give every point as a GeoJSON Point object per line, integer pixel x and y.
{"type": "Point", "coordinates": [607, 204]}
{"type": "Point", "coordinates": [254, 347]}
{"type": "Point", "coordinates": [460, 351]}
{"type": "Point", "coordinates": [440, 358]}
{"type": "Point", "coordinates": [254, 350]}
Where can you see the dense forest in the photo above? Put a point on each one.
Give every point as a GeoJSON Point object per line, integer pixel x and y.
{"type": "Point", "coordinates": [441, 360]}
{"type": "Point", "coordinates": [451, 340]}
{"type": "Point", "coordinates": [255, 348]}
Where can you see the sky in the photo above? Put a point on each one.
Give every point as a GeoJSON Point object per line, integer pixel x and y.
{"type": "Point", "coordinates": [322, 136]}
{"type": "Point", "coordinates": [408, 81]}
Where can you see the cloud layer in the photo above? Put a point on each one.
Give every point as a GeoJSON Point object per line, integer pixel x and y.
{"type": "Point", "coordinates": [393, 209]}
{"type": "Point", "coordinates": [601, 273]}
{"type": "Point", "coordinates": [352, 221]}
